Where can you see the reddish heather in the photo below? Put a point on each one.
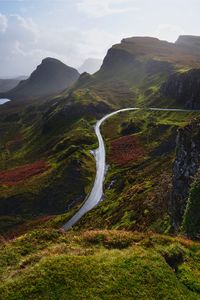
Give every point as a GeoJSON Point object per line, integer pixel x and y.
{"type": "Point", "coordinates": [22, 173]}
{"type": "Point", "coordinates": [125, 149]}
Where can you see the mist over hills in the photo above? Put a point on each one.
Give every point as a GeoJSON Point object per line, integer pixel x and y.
{"type": "Point", "coordinates": [141, 65]}
{"type": "Point", "coordinates": [9, 83]}
{"type": "Point", "coordinates": [50, 77]}
{"type": "Point", "coordinates": [90, 65]}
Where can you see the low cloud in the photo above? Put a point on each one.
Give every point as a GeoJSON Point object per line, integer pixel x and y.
{"type": "Point", "coordinates": [24, 45]}
{"type": "Point", "coordinates": [3, 23]}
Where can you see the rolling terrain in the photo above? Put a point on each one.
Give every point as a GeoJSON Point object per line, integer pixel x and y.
{"type": "Point", "coordinates": [138, 236]}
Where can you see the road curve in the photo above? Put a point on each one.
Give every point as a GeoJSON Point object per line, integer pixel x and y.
{"type": "Point", "coordinates": [100, 156]}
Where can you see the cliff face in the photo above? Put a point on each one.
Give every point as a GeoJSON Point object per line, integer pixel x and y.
{"type": "Point", "coordinates": [116, 59]}
{"type": "Point", "coordinates": [184, 88]}
{"type": "Point", "coordinates": [190, 42]}
{"type": "Point", "coordinates": [185, 167]}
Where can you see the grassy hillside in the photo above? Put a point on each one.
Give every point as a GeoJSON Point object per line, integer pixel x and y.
{"type": "Point", "coordinates": [42, 180]}
{"type": "Point", "coordinates": [122, 248]}
{"type": "Point", "coordinates": [134, 70]}
{"type": "Point", "coordinates": [140, 155]}
{"type": "Point", "coordinates": [99, 265]}
{"type": "Point", "coordinates": [46, 167]}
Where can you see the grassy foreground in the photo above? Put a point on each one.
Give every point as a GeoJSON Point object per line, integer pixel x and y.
{"type": "Point", "coordinates": [99, 265]}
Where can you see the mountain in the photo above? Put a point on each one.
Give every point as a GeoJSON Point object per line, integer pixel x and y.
{"type": "Point", "coordinates": [10, 83]}
{"type": "Point", "coordinates": [90, 65]}
{"type": "Point", "coordinates": [134, 243]}
{"type": "Point", "coordinates": [50, 141]}
{"type": "Point", "coordinates": [190, 42]}
{"type": "Point", "coordinates": [134, 70]}
{"type": "Point", "coordinates": [50, 77]}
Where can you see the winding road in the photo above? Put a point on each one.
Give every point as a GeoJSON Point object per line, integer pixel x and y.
{"type": "Point", "coordinates": [100, 156]}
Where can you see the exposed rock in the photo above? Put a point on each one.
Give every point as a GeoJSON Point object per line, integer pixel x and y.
{"type": "Point", "coordinates": [190, 42]}
{"type": "Point", "coordinates": [156, 66]}
{"type": "Point", "coordinates": [184, 87]}
{"type": "Point", "coordinates": [185, 167]}
{"type": "Point", "coordinates": [117, 58]}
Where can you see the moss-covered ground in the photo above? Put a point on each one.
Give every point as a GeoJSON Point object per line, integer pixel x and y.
{"type": "Point", "coordinates": [50, 264]}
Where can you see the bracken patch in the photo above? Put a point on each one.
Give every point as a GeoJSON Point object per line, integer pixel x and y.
{"type": "Point", "coordinates": [124, 150]}
{"type": "Point", "coordinates": [21, 173]}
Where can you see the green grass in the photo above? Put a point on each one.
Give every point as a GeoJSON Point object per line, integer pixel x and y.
{"type": "Point", "coordinates": [64, 143]}
{"type": "Point", "coordinates": [98, 265]}
{"type": "Point", "coordinates": [137, 194]}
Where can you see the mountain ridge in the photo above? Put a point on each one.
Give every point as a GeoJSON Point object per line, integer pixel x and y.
{"type": "Point", "coordinates": [49, 78]}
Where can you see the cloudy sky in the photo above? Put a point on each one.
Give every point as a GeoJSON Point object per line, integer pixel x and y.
{"type": "Point", "coordinates": [73, 30]}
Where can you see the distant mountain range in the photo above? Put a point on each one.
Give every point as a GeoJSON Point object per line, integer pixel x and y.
{"type": "Point", "coordinates": [9, 83]}
{"type": "Point", "coordinates": [50, 77]}
{"type": "Point", "coordinates": [90, 65]}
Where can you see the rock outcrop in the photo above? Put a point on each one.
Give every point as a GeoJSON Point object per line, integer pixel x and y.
{"type": "Point", "coordinates": [185, 167]}
{"type": "Point", "coordinates": [116, 59]}
{"type": "Point", "coordinates": [184, 88]}
{"type": "Point", "coordinates": [190, 42]}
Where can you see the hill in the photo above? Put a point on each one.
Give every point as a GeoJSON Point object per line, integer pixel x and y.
{"type": "Point", "coordinates": [47, 169]}
{"type": "Point", "coordinates": [130, 245]}
{"type": "Point", "coordinates": [134, 70]}
{"type": "Point", "coordinates": [49, 78]}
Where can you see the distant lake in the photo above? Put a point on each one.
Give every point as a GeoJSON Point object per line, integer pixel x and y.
{"type": "Point", "coordinates": [2, 101]}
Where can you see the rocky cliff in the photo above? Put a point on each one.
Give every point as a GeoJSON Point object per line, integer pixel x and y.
{"type": "Point", "coordinates": [185, 167]}
{"type": "Point", "coordinates": [190, 42]}
{"type": "Point", "coordinates": [184, 88]}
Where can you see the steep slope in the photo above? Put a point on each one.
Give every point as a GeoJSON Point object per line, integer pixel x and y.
{"type": "Point", "coordinates": [50, 77]}
{"type": "Point", "coordinates": [138, 185]}
{"type": "Point", "coordinates": [184, 204]}
{"type": "Point", "coordinates": [134, 70]}
{"type": "Point", "coordinates": [184, 88]}
{"type": "Point", "coordinates": [190, 42]}
{"type": "Point", "coordinates": [46, 167]}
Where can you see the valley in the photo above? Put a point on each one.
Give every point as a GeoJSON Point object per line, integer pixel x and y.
{"type": "Point", "coordinates": [99, 177]}
{"type": "Point", "coordinates": [96, 194]}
